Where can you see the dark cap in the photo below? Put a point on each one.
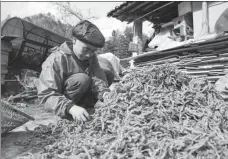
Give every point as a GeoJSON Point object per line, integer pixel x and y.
{"type": "Point", "coordinates": [87, 32]}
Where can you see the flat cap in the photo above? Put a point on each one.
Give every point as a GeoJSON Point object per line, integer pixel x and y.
{"type": "Point", "coordinates": [87, 32]}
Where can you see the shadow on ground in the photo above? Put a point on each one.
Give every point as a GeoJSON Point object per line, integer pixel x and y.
{"type": "Point", "coordinates": [9, 147]}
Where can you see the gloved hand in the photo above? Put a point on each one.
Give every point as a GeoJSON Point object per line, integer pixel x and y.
{"type": "Point", "coordinates": [79, 114]}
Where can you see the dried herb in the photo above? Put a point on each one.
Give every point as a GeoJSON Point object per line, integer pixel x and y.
{"type": "Point", "coordinates": [154, 112]}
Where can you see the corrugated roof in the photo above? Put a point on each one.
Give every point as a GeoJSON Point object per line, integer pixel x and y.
{"type": "Point", "coordinates": [154, 11]}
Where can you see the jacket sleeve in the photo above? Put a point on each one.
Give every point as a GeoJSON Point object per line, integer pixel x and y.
{"type": "Point", "coordinates": [50, 88]}
{"type": "Point", "coordinates": [100, 83]}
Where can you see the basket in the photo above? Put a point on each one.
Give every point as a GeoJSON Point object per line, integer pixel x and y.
{"type": "Point", "coordinates": [12, 118]}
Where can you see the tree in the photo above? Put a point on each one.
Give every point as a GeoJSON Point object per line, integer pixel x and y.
{"type": "Point", "coordinates": [49, 22]}
{"type": "Point", "coordinates": [119, 42]}
{"type": "Point", "coordinates": [68, 10]}
{"type": "Point", "coordinates": [114, 33]}
{"type": "Point", "coordinates": [128, 32]}
{"type": "Point", "coordinates": [7, 18]}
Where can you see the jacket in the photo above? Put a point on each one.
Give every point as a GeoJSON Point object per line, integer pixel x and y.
{"type": "Point", "coordinates": [61, 64]}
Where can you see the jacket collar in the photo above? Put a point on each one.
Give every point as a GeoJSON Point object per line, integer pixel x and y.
{"type": "Point", "coordinates": [67, 47]}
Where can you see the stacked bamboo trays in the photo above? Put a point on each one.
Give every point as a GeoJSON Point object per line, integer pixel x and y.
{"type": "Point", "coordinates": [208, 60]}
{"type": "Point", "coordinates": [11, 117]}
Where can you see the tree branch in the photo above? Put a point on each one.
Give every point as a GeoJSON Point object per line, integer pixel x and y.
{"type": "Point", "coordinates": [68, 10]}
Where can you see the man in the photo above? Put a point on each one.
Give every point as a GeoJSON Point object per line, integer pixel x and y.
{"type": "Point", "coordinates": [71, 78]}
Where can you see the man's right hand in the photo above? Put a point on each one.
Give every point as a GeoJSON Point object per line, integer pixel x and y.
{"type": "Point", "coordinates": [78, 113]}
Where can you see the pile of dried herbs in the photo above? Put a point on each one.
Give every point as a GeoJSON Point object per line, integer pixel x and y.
{"type": "Point", "coordinates": [154, 112]}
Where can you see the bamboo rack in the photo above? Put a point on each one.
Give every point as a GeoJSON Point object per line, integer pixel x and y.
{"type": "Point", "coordinates": [208, 60]}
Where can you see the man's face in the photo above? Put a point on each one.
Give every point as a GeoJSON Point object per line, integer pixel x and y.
{"type": "Point", "coordinates": [82, 50]}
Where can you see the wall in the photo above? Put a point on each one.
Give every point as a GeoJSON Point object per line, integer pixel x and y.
{"type": "Point", "coordinates": [214, 11]}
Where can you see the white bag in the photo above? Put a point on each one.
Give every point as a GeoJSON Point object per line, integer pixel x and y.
{"type": "Point", "coordinates": [222, 87]}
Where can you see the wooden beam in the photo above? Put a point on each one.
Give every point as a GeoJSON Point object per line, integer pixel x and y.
{"type": "Point", "coordinates": [128, 16]}
{"type": "Point", "coordinates": [124, 9]}
{"type": "Point", "coordinates": [171, 51]}
{"type": "Point", "coordinates": [150, 5]}
{"type": "Point", "coordinates": [168, 17]}
{"type": "Point", "coordinates": [167, 12]}
{"type": "Point", "coordinates": [205, 24]}
{"type": "Point", "coordinates": [167, 24]}
{"type": "Point", "coordinates": [131, 17]}
{"type": "Point", "coordinates": [139, 6]}
{"type": "Point", "coordinates": [163, 16]}
{"type": "Point", "coordinates": [126, 12]}
{"type": "Point", "coordinates": [157, 9]}
{"type": "Point", "coordinates": [138, 29]}
{"type": "Point", "coordinates": [138, 35]}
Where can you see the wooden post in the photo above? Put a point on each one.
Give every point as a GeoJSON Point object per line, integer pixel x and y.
{"type": "Point", "coordinates": [138, 28]}
{"type": "Point", "coordinates": [205, 23]}
{"type": "Point", "coordinates": [137, 39]}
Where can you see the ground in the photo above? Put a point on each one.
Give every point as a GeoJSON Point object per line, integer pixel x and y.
{"type": "Point", "coordinates": [8, 148]}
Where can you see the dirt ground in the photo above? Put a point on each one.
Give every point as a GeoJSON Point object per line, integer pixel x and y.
{"type": "Point", "coordinates": [8, 148]}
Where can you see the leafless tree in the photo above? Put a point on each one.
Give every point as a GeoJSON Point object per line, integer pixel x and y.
{"type": "Point", "coordinates": [67, 10]}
